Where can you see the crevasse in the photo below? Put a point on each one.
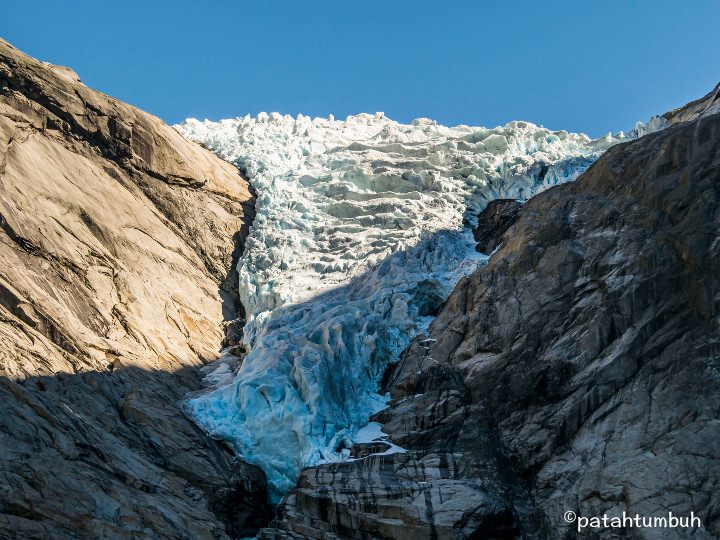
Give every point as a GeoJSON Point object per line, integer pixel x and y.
{"type": "Point", "coordinates": [362, 229]}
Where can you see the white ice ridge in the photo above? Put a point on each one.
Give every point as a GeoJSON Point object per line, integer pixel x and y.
{"type": "Point", "coordinates": [362, 230]}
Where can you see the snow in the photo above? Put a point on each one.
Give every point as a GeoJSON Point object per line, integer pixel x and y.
{"type": "Point", "coordinates": [656, 123]}
{"type": "Point", "coordinates": [370, 433]}
{"type": "Point", "coordinates": [362, 230]}
{"type": "Point", "coordinates": [220, 372]}
{"type": "Point", "coordinates": [373, 432]}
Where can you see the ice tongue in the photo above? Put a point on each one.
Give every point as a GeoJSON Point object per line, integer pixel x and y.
{"type": "Point", "coordinates": [362, 229]}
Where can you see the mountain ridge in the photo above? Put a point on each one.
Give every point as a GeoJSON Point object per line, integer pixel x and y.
{"type": "Point", "coordinates": [576, 371]}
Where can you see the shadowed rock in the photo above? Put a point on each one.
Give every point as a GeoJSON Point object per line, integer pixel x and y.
{"type": "Point", "coordinates": [493, 221]}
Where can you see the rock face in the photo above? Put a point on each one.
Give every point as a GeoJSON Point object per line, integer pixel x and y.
{"type": "Point", "coordinates": [577, 371]}
{"type": "Point", "coordinates": [493, 221]}
{"type": "Point", "coordinates": [116, 237]}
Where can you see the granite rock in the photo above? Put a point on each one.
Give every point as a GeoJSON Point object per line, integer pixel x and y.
{"type": "Point", "coordinates": [116, 235]}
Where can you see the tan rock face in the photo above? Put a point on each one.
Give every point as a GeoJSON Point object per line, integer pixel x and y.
{"type": "Point", "coordinates": [117, 238]}
{"type": "Point", "coordinates": [119, 230]}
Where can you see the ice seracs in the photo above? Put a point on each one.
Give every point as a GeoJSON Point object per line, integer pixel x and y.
{"type": "Point", "coordinates": [362, 229]}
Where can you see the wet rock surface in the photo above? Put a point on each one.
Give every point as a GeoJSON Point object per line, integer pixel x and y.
{"type": "Point", "coordinates": [577, 371]}
{"type": "Point", "coordinates": [116, 236]}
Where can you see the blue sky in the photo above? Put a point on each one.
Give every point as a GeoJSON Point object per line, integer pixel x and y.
{"type": "Point", "coordinates": [581, 65]}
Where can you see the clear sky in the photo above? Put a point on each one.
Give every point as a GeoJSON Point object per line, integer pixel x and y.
{"type": "Point", "coordinates": [591, 66]}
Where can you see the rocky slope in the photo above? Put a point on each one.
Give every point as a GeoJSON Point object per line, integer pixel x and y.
{"type": "Point", "coordinates": [116, 239]}
{"type": "Point", "coordinates": [577, 371]}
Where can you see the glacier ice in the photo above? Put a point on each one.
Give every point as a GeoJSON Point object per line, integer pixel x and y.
{"type": "Point", "coordinates": [362, 229]}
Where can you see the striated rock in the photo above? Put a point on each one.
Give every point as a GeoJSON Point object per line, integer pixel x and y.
{"type": "Point", "coordinates": [577, 371]}
{"type": "Point", "coordinates": [117, 236]}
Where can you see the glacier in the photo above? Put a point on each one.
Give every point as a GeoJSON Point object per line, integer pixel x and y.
{"type": "Point", "coordinates": [363, 227]}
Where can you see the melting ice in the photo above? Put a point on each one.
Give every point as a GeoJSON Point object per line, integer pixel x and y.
{"type": "Point", "coordinates": [362, 230]}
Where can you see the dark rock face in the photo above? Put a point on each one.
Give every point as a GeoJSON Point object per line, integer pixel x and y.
{"type": "Point", "coordinates": [110, 455]}
{"type": "Point", "coordinates": [579, 370]}
{"type": "Point", "coordinates": [493, 221]}
{"type": "Point", "coordinates": [116, 236]}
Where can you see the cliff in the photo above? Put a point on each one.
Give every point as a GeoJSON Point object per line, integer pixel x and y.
{"type": "Point", "coordinates": [116, 236]}
{"type": "Point", "coordinates": [577, 371]}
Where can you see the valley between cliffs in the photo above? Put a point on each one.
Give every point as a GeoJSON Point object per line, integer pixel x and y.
{"type": "Point", "coordinates": [577, 369]}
